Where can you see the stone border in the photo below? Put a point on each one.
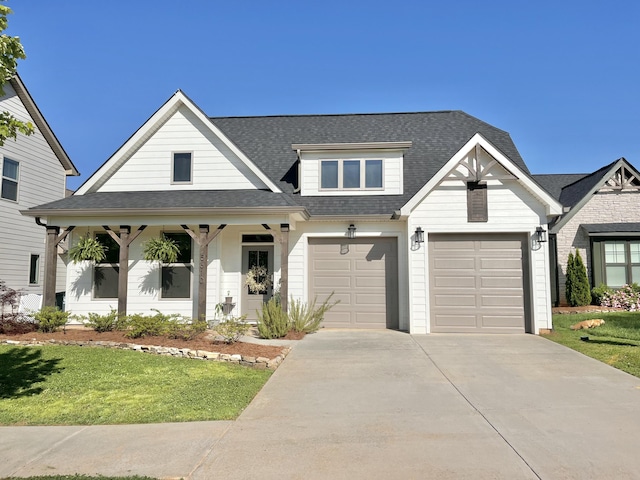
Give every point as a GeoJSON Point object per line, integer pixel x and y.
{"type": "Point", "coordinates": [260, 363]}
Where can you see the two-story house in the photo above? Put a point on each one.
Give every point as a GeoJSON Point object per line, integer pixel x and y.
{"type": "Point", "coordinates": [34, 170]}
{"type": "Point", "coordinates": [426, 222]}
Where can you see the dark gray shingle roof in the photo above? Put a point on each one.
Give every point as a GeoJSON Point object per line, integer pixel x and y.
{"type": "Point", "coordinates": [555, 182]}
{"type": "Point", "coordinates": [605, 228]}
{"type": "Point", "coordinates": [436, 137]}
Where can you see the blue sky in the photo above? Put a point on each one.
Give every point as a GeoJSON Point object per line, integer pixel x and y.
{"type": "Point", "coordinates": [560, 76]}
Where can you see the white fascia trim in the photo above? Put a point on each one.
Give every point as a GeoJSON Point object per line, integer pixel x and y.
{"type": "Point", "coordinates": [319, 147]}
{"type": "Point", "coordinates": [553, 207]}
{"type": "Point", "coordinates": [576, 208]}
{"type": "Point", "coordinates": [158, 117]}
{"type": "Point", "coordinates": [37, 117]}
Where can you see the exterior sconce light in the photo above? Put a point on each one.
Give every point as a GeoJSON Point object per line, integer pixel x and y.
{"type": "Point", "coordinates": [419, 235]}
{"type": "Point", "coordinates": [541, 235]}
{"type": "Point", "coordinates": [351, 231]}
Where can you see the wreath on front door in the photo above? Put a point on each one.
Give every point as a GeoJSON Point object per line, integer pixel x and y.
{"type": "Point", "coordinates": [258, 279]}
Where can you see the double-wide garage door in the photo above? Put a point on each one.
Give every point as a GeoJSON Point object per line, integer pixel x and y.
{"type": "Point", "coordinates": [477, 283]}
{"type": "Point", "coordinates": [363, 275]}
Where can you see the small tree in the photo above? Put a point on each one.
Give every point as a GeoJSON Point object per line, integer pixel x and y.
{"type": "Point", "coordinates": [577, 285]}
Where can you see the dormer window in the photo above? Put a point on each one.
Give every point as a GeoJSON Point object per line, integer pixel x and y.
{"type": "Point", "coordinates": [182, 168]}
{"type": "Point", "coordinates": [351, 174]}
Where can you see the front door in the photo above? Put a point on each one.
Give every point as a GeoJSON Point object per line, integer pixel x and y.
{"type": "Point", "coordinates": [256, 256]}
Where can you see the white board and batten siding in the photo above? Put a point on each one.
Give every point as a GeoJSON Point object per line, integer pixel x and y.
{"type": "Point", "coordinates": [392, 163]}
{"type": "Point", "coordinates": [41, 179]}
{"type": "Point", "coordinates": [214, 165]}
{"type": "Point", "coordinates": [511, 210]}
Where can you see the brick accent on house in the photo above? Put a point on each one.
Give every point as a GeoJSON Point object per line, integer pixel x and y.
{"type": "Point", "coordinates": [604, 207]}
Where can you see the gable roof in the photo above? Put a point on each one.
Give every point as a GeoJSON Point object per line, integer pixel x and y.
{"type": "Point", "coordinates": [177, 100]}
{"type": "Point", "coordinates": [575, 190]}
{"type": "Point", "coordinates": [43, 126]}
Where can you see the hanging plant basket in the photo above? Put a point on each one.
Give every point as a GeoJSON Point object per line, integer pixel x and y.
{"type": "Point", "coordinates": [161, 249]}
{"type": "Point", "coordinates": [87, 249]}
{"type": "Point", "coordinates": [258, 279]}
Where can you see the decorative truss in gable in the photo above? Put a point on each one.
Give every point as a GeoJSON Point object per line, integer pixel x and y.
{"type": "Point", "coordinates": [622, 179]}
{"type": "Point", "coordinates": [479, 166]}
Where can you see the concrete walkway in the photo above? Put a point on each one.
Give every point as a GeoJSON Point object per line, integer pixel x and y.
{"type": "Point", "coordinates": [383, 404]}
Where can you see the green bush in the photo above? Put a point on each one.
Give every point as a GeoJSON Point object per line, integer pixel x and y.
{"type": "Point", "coordinates": [578, 292]}
{"type": "Point", "coordinates": [106, 323]}
{"type": "Point", "coordinates": [49, 319]}
{"type": "Point", "coordinates": [273, 322]}
{"type": "Point", "coordinates": [598, 293]}
{"type": "Point", "coordinates": [184, 328]}
{"type": "Point", "coordinates": [306, 318]}
{"type": "Point", "coordinates": [232, 329]}
{"type": "Point", "coordinates": [147, 325]}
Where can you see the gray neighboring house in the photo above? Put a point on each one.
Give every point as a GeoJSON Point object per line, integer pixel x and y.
{"type": "Point", "coordinates": [601, 219]}
{"type": "Point", "coordinates": [33, 170]}
{"type": "Point", "coordinates": [424, 222]}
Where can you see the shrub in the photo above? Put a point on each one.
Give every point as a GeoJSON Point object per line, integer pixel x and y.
{"type": "Point", "coordinates": [273, 322]}
{"type": "Point", "coordinates": [106, 323]}
{"type": "Point", "coordinates": [185, 328]}
{"type": "Point", "coordinates": [598, 293]}
{"type": "Point", "coordinates": [147, 325]}
{"type": "Point", "coordinates": [306, 318]}
{"type": "Point", "coordinates": [49, 319]}
{"type": "Point", "coordinates": [12, 322]}
{"type": "Point", "coordinates": [628, 297]}
{"type": "Point", "coordinates": [232, 329]}
{"type": "Point", "coordinates": [577, 285]}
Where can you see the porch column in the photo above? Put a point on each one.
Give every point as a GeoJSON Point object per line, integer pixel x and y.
{"type": "Point", "coordinates": [50, 267]}
{"type": "Point", "coordinates": [284, 266]}
{"type": "Point", "coordinates": [123, 240]}
{"type": "Point", "coordinates": [123, 274]}
{"type": "Point", "coordinates": [203, 240]}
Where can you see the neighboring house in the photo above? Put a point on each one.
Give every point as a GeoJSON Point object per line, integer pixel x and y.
{"type": "Point", "coordinates": [426, 222]}
{"type": "Point", "coordinates": [34, 171]}
{"type": "Point", "coordinates": [601, 220]}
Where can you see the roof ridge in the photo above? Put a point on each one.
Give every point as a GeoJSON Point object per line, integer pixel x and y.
{"type": "Point", "coordinates": [296, 115]}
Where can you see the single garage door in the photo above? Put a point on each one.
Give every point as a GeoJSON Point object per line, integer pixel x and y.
{"type": "Point", "coordinates": [477, 283]}
{"type": "Point", "coordinates": [363, 274]}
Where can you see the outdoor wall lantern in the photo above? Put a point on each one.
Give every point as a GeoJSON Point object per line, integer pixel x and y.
{"type": "Point", "coordinates": [541, 235]}
{"type": "Point", "coordinates": [419, 235]}
{"type": "Point", "coordinates": [351, 231]}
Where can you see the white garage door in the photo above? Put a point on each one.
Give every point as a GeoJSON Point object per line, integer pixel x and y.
{"type": "Point", "coordinates": [477, 283]}
{"type": "Point", "coordinates": [363, 274]}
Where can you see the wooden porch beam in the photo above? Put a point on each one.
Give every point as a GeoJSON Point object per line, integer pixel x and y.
{"type": "Point", "coordinates": [284, 266]}
{"type": "Point", "coordinates": [54, 237]}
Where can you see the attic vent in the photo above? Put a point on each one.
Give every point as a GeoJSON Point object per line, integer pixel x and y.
{"type": "Point", "coordinates": [477, 202]}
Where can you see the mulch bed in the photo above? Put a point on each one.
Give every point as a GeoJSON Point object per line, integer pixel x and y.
{"type": "Point", "coordinates": [585, 309]}
{"type": "Point", "coordinates": [205, 341]}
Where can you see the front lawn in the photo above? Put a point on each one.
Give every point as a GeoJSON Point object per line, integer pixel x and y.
{"type": "Point", "coordinates": [65, 385]}
{"type": "Point", "coordinates": [616, 343]}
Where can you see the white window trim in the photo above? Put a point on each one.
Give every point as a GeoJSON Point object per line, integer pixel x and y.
{"type": "Point", "coordinates": [16, 180]}
{"type": "Point", "coordinates": [363, 175]}
{"type": "Point", "coordinates": [190, 264]}
{"type": "Point", "coordinates": [173, 159]}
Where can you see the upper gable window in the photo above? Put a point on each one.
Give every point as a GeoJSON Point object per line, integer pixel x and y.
{"type": "Point", "coordinates": [9, 179]}
{"type": "Point", "coordinates": [351, 175]}
{"type": "Point", "coordinates": [182, 168]}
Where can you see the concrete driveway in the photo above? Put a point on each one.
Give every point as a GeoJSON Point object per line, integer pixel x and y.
{"type": "Point", "coordinates": [382, 404]}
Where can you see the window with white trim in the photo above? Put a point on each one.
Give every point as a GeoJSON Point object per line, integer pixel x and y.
{"type": "Point", "coordinates": [621, 262]}
{"type": "Point", "coordinates": [10, 170]}
{"type": "Point", "coordinates": [182, 168]}
{"type": "Point", "coordinates": [351, 174]}
{"type": "Point", "coordinates": [176, 277]}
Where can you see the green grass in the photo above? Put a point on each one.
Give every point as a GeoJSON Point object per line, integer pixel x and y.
{"type": "Point", "coordinates": [68, 385]}
{"type": "Point", "coordinates": [616, 343]}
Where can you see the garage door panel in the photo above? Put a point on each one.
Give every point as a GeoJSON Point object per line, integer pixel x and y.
{"type": "Point", "coordinates": [455, 281]}
{"type": "Point", "coordinates": [365, 282]}
{"type": "Point", "coordinates": [488, 295]}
